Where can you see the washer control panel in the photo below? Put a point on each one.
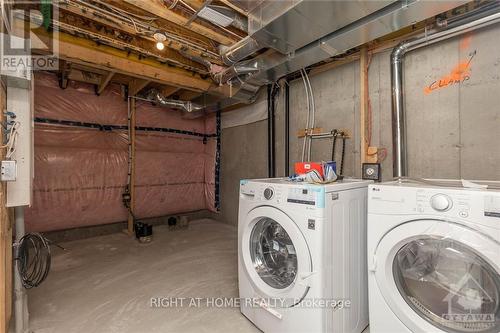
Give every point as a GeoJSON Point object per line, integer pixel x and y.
{"type": "Point", "coordinates": [301, 196]}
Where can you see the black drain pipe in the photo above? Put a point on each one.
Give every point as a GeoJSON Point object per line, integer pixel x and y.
{"type": "Point", "coordinates": [270, 132]}
{"type": "Point", "coordinates": [287, 128]}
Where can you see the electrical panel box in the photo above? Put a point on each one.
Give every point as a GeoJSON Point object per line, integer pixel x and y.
{"type": "Point", "coordinates": [8, 171]}
{"type": "Point", "coordinates": [20, 102]}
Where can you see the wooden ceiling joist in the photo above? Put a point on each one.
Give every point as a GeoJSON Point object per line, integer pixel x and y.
{"type": "Point", "coordinates": [136, 85]}
{"type": "Point", "coordinates": [128, 28]}
{"type": "Point", "coordinates": [234, 7]}
{"type": "Point", "coordinates": [169, 91]}
{"type": "Point", "coordinates": [84, 76]}
{"type": "Point", "coordinates": [187, 95]}
{"type": "Point", "coordinates": [105, 79]}
{"type": "Point", "coordinates": [87, 53]}
{"type": "Point", "coordinates": [155, 7]}
{"type": "Point", "coordinates": [64, 73]}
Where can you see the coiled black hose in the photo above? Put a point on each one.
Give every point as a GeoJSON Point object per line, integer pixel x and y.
{"type": "Point", "coordinates": [33, 257]}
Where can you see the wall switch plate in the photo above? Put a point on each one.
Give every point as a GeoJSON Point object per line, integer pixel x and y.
{"type": "Point", "coordinates": [371, 171]}
{"type": "Point", "coordinates": [8, 171]}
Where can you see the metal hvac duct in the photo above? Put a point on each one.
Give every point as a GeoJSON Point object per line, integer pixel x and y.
{"type": "Point", "coordinates": [475, 20]}
{"type": "Point", "coordinates": [393, 17]}
{"type": "Point", "coordinates": [303, 32]}
{"type": "Point", "coordinates": [240, 50]}
{"type": "Point", "coordinates": [187, 106]}
{"type": "Point", "coordinates": [238, 21]}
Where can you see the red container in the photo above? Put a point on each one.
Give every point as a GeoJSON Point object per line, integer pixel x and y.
{"type": "Point", "coordinates": [304, 167]}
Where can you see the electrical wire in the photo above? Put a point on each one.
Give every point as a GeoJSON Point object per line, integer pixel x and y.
{"type": "Point", "coordinates": [308, 117]}
{"type": "Point", "coordinates": [11, 143]}
{"type": "Point", "coordinates": [33, 259]}
{"type": "Point", "coordinates": [313, 112]}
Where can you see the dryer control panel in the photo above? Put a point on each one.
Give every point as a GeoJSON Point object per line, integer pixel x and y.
{"type": "Point", "coordinates": [475, 205]}
{"type": "Point", "coordinates": [492, 206]}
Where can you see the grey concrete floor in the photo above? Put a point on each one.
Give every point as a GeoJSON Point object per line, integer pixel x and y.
{"type": "Point", "coordinates": [105, 284]}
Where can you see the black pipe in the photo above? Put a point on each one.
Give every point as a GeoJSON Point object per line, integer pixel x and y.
{"type": "Point", "coordinates": [287, 128]}
{"type": "Point", "coordinates": [270, 132]}
{"type": "Point", "coordinates": [217, 161]}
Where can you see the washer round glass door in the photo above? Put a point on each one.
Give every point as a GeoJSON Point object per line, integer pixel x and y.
{"type": "Point", "coordinates": [440, 275]}
{"type": "Point", "coordinates": [273, 253]}
{"type": "Point", "coordinates": [276, 255]}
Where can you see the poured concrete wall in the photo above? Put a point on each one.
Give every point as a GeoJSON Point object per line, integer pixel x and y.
{"type": "Point", "coordinates": [243, 156]}
{"type": "Point", "coordinates": [453, 130]}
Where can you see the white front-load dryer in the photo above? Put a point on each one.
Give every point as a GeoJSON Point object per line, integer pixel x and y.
{"type": "Point", "coordinates": [302, 256]}
{"type": "Point", "coordinates": [433, 257]}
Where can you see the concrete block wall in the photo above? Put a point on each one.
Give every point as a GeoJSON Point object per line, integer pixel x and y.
{"type": "Point", "coordinates": [453, 129]}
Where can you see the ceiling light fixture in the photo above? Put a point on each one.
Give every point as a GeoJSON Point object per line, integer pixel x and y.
{"type": "Point", "coordinates": [159, 38]}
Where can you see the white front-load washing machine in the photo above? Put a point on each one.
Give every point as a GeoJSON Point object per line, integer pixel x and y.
{"type": "Point", "coordinates": [433, 257]}
{"type": "Point", "coordinates": [302, 258]}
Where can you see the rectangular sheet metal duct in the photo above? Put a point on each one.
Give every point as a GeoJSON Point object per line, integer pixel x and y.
{"type": "Point", "coordinates": [302, 34]}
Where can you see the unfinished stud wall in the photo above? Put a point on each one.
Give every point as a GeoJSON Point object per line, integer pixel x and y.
{"type": "Point", "coordinates": [453, 129]}
{"type": "Point", "coordinates": [81, 170]}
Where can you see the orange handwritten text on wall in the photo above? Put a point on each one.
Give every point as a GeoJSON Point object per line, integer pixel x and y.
{"type": "Point", "coordinates": [458, 74]}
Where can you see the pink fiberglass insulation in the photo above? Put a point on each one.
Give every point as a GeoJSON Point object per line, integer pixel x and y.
{"type": "Point", "coordinates": [81, 172]}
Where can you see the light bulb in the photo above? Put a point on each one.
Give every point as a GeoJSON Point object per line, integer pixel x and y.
{"type": "Point", "coordinates": [160, 46]}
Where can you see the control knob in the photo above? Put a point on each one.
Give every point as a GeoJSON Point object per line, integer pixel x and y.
{"type": "Point", "coordinates": [268, 193]}
{"type": "Point", "coordinates": [441, 202]}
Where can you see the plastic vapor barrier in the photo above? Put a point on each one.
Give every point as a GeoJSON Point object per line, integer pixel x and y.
{"type": "Point", "coordinates": [81, 168]}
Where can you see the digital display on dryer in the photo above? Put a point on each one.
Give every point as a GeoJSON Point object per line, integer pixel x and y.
{"type": "Point", "coordinates": [492, 206]}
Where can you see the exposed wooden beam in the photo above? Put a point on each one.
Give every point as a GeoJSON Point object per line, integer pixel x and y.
{"type": "Point", "coordinates": [128, 28]}
{"type": "Point", "coordinates": [84, 76]}
{"type": "Point", "coordinates": [88, 53]}
{"type": "Point", "coordinates": [156, 7]}
{"type": "Point", "coordinates": [188, 95]}
{"type": "Point", "coordinates": [234, 7]}
{"type": "Point", "coordinates": [64, 73]}
{"type": "Point", "coordinates": [130, 222]}
{"type": "Point", "coordinates": [199, 7]}
{"type": "Point", "coordinates": [136, 85]}
{"type": "Point", "coordinates": [363, 80]}
{"type": "Point", "coordinates": [5, 237]}
{"type": "Point", "coordinates": [198, 4]}
{"type": "Point", "coordinates": [169, 91]}
{"type": "Point", "coordinates": [105, 79]}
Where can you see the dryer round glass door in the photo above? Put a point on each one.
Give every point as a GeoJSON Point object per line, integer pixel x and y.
{"type": "Point", "coordinates": [276, 256]}
{"type": "Point", "coordinates": [273, 253]}
{"type": "Point", "coordinates": [439, 276]}
{"type": "Point", "coordinates": [449, 284]}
